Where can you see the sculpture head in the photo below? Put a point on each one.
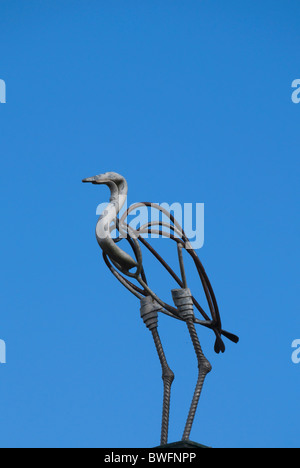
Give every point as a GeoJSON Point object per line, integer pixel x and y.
{"type": "Point", "coordinates": [118, 188]}
{"type": "Point", "coordinates": [105, 179]}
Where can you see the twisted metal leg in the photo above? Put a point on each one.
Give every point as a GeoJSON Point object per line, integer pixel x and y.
{"type": "Point", "coordinates": [184, 302]}
{"type": "Point", "coordinates": [168, 377]}
{"type": "Point", "coordinates": [204, 367]}
{"type": "Point", "coordinates": [149, 313]}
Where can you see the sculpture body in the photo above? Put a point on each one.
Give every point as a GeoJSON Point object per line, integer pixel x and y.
{"type": "Point", "coordinates": [124, 266]}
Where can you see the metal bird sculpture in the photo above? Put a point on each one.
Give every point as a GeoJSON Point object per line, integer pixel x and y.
{"type": "Point", "coordinates": [126, 269]}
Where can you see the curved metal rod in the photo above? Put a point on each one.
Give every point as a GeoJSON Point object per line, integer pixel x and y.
{"type": "Point", "coordinates": [126, 231]}
{"type": "Point", "coordinates": [130, 286]}
{"type": "Point", "coordinates": [203, 277]}
{"type": "Point", "coordinates": [219, 345]}
{"type": "Point", "coordinates": [137, 251]}
{"type": "Point", "coordinates": [216, 323]}
{"type": "Point", "coordinates": [160, 223]}
{"type": "Point", "coordinates": [134, 245]}
{"type": "Point", "coordinates": [213, 306]}
{"type": "Point", "coordinates": [169, 310]}
{"type": "Point", "coordinates": [169, 269]}
{"type": "Point", "coordinates": [141, 278]}
{"type": "Point", "coordinates": [157, 207]}
{"type": "Point", "coordinates": [138, 292]}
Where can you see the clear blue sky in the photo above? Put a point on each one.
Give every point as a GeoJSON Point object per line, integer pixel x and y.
{"type": "Point", "coordinates": [191, 101]}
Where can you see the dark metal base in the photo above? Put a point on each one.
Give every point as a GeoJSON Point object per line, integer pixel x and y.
{"type": "Point", "coordinates": [183, 444]}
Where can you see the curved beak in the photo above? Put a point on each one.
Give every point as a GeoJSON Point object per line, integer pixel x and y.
{"type": "Point", "coordinates": [99, 179]}
{"type": "Point", "coordinates": [89, 179]}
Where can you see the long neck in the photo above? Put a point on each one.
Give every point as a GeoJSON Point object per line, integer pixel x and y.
{"type": "Point", "coordinates": [118, 195]}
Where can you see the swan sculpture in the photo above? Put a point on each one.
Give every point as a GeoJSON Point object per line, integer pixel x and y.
{"type": "Point", "coordinates": [124, 266]}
